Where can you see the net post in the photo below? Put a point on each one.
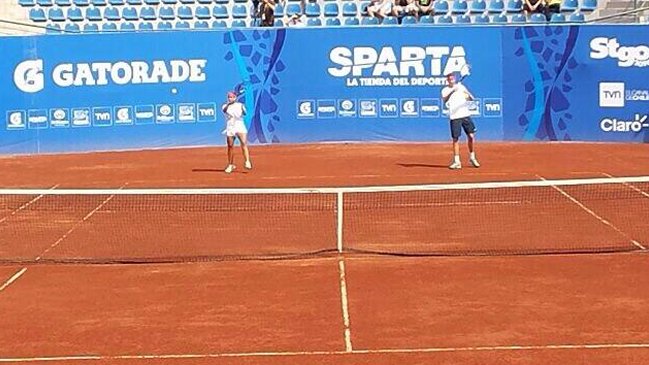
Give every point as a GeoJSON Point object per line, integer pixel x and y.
{"type": "Point", "coordinates": [339, 221]}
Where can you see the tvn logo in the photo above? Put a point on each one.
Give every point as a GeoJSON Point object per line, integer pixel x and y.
{"type": "Point", "coordinates": [492, 107]}
{"type": "Point", "coordinates": [388, 108]}
{"type": "Point", "coordinates": [102, 116]}
{"type": "Point", "coordinates": [611, 94]}
{"type": "Point", "coordinates": [206, 112]}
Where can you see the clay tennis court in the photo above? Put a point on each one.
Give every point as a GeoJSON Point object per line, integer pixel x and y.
{"type": "Point", "coordinates": [551, 276]}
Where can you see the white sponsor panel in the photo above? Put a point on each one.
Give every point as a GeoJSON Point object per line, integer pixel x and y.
{"type": "Point", "coordinates": [306, 109]}
{"type": "Point", "coordinates": [637, 124]}
{"type": "Point", "coordinates": [16, 119]}
{"type": "Point", "coordinates": [611, 94]}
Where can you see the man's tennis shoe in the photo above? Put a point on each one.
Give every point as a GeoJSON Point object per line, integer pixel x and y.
{"type": "Point", "coordinates": [474, 162]}
{"type": "Point", "coordinates": [229, 169]}
{"type": "Point", "coordinates": [455, 166]}
{"type": "Point", "coordinates": [248, 165]}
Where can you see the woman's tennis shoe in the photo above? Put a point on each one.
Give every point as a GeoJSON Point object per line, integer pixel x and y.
{"type": "Point", "coordinates": [455, 166]}
{"type": "Point", "coordinates": [248, 165]}
{"type": "Point", "coordinates": [474, 162]}
{"type": "Point", "coordinates": [229, 169]}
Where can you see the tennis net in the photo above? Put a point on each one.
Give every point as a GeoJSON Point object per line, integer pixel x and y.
{"type": "Point", "coordinates": [184, 225]}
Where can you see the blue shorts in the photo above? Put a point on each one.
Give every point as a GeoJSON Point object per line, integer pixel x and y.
{"type": "Point", "coordinates": [462, 123]}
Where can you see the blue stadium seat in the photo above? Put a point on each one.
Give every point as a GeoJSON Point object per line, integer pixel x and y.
{"type": "Point", "coordinates": [63, 3]}
{"type": "Point", "coordinates": [203, 13]}
{"type": "Point", "coordinates": [241, 1]}
{"type": "Point", "coordinates": [204, 1]}
{"type": "Point", "coordinates": [152, 2]}
{"type": "Point", "coordinates": [478, 7]}
{"type": "Point", "coordinates": [116, 3]}
{"type": "Point", "coordinates": [462, 19]}
{"type": "Point", "coordinates": [220, 12]}
{"type": "Point", "coordinates": [499, 19]}
{"type": "Point", "coordinates": [27, 2]}
{"type": "Point", "coordinates": [576, 17]}
{"type": "Point", "coordinates": [239, 11]}
{"type": "Point", "coordinates": [331, 9]}
{"type": "Point", "coordinates": [166, 13]}
{"type": "Point", "coordinates": [558, 18]}
{"type": "Point", "coordinates": [369, 20]}
{"type": "Point", "coordinates": [350, 9]}
{"type": "Point", "coordinates": [538, 18]}
{"type": "Point", "coordinates": [390, 20]}
{"type": "Point", "coordinates": [93, 14]}
{"type": "Point", "coordinates": [37, 15]}
{"type": "Point", "coordinates": [74, 14]}
{"type": "Point", "coordinates": [45, 3]}
{"type": "Point", "coordinates": [109, 27]}
{"type": "Point", "coordinates": [350, 21]}
{"type": "Point", "coordinates": [219, 24]}
{"type": "Point", "coordinates": [145, 26]}
{"type": "Point", "coordinates": [440, 7]}
{"type": "Point", "coordinates": [569, 6]}
{"type": "Point", "coordinates": [55, 15]}
{"type": "Point", "coordinates": [459, 7]}
{"type": "Point", "coordinates": [520, 18]}
{"type": "Point", "coordinates": [112, 14]}
{"type": "Point", "coordinates": [332, 22]}
{"type": "Point", "coordinates": [408, 19]}
{"type": "Point", "coordinates": [363, 8]}
{"type": "Point", "coordinates": [201, 24]}
{"type": "Point", "coordinates": [164, 26]}
{"type": "Point", "coordinates": [187, 1]}
{"type": "Point", "coordinates": [427, 20]}
{"type": "Point", "coordinates": [514, 6]}
{"type": "Point", "coordinates": [481, 19]}
{"type": "Point", "coordinates": [170, 2]}
{"type": "Point", "coordinates": [134, 2]}
{"type": "Point", "coordinates": [279, 11]}
{"type": "Point", "coordinates": [443, 19]}
{"type": "Point", "coordinates": [90, 28]}
{"type": "Point", "coordinates": [221, 1]}
{"type": "Point", "coordinates": [313, 22]}
{"type": "Point", "coordinates": [53, 28]}
{"type": "Point", "coordinates": [495, 6]}
{"type": "Point", "coordinates": [238, 23]}
{"type": "Point", "coordinates": [278, 22]}
{"type": "Point", "coordinates": [99, 2]}
{"type": "Point", "coordinates": [127, 27]}
{"type": "Point", "coordinates": [130, 13]}
{"type": "Point", "coordinates": [72, 28]}
{"type": "Point", "coordinates": [182, 25]}
{"type": "Point", "coordinates": [312, 10]}
{"type": "Point", "coordinates": [148, 13]}
{"type": "Point", "coordinates": [185, 12]}
{"type": "Point", "coordinates": [81, 3]}
{"type": "Point", "coordinates": [588, 6]}
{"type": "Point", "coordinates": [292, 9]}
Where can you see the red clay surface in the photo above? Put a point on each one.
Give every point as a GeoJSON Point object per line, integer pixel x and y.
{"type": "Point", "coordinates": [402, 310]}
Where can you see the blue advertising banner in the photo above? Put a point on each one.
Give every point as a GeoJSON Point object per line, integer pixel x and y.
{"type": "Point", "coordinates": [584, 83]}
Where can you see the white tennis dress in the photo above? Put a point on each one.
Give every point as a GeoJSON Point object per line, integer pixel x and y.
{"type": "Point", "coordinates": [234, 119]}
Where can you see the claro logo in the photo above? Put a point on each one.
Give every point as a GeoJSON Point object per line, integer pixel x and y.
{"type": "Point", "coordinates": [626, 56]}
{"type": "Point", "coordinates": [28, 76]}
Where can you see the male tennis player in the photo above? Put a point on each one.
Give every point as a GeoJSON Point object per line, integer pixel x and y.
{"type": "Point", "coordinates": [235, 128]}
{"type": "Point", "coordinates": [455, 96]}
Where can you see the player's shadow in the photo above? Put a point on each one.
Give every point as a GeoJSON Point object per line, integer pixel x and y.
{"type": "Point", "coordinates": [422, 165]}
{"type": "Point", "coordinates": [207, 170]}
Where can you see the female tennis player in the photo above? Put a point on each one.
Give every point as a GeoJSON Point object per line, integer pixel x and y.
{"type": "Point", "coordinates": [235, 128]}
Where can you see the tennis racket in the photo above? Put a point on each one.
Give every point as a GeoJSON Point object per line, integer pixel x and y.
{"type": "Point", "coordinates": [465, 71]}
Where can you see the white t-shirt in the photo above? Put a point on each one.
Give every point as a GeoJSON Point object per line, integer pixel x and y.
{"type": "Point", "coordinates": [234, 112]}
{"type": "Point", "coordinates": [457, 102]}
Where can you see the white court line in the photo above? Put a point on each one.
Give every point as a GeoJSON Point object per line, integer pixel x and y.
{"type": "Point", "coordinates": [605, 346]}
{"type": "Point", "coordinates": [25, 205]}
{"type": "Point", "coordinates": [344, 302]}
{"type": "Point", "coordinates": [645, 194]}
{"type": "Point", "coordinates": [15, 277]}
{"type": "Point", "coordinates": [589, 211]}
{"type": "Point", "coordinates": [66, 234]}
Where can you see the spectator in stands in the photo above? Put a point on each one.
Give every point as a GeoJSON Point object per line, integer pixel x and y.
{"type": "Point", "coordinates": [296, 20]}
{"type": "Point", "coordinates": [552, 7]}
{"type": "Point", "coordinates": [267, 12]}
{"type": "Point", "coordinates": [425, 7]}
{"type": "Point", "coordinates": [379, 8]}
{"type": "Point", "coordinates": [533, 6]}
{"type": "Point", "coordinates": [235, 128]}
{"type": "Point", "coordinates": [405, 7]}
{"type": "Point", "coordinates": [455, 96]}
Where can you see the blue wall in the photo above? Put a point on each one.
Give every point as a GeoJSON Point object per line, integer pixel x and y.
{"type": "Point", "coordinates": [129, 91]}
